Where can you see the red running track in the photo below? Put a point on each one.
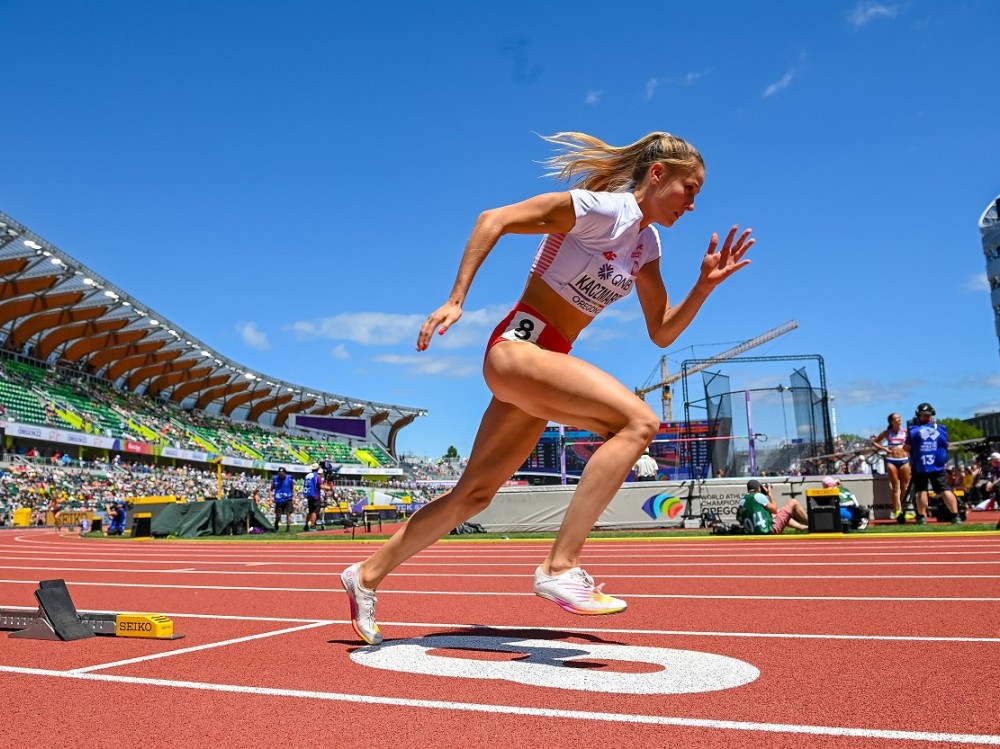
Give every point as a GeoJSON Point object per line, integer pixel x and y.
{"type": "Point", "coordinates": [785, 642]}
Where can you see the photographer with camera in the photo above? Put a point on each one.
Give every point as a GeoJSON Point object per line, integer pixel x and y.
{"type": "Point", "coordinates": [759, 515]}
{"type": "Point", "coordinates": [927, 442]}
{"type": "Point", "coordinates": [116, 511]}
{"type": "Point", "coordinates": [989, 482]}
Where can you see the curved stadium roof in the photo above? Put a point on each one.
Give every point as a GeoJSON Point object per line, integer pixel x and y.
{"type": "Point", "coordinates": [55, 309]}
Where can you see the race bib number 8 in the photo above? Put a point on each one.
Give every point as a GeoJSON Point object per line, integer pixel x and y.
{"type": "Point", "coordinates": [524, 327]}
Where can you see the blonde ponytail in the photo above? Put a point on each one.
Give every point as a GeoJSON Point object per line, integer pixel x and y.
{"type": "Point", "coordinates": [596, 166]}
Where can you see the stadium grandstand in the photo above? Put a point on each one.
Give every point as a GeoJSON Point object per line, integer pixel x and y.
{"type": "Point", "coordinates": [87, 366]}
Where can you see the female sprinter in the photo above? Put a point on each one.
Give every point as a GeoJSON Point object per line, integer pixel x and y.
{"type": "Point", "coordinates": [599, 241]}
{"type": "Point", "coordinates": [897, 460]}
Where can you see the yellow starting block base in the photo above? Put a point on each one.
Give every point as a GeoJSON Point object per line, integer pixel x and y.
{"type": "Point", "coordinates": [155, 626]}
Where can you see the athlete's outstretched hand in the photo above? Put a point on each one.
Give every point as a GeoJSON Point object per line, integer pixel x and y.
{"type": "Point", "coordinates": [716, 267]}
{"type": "Point", "coordinates": [440, 320]}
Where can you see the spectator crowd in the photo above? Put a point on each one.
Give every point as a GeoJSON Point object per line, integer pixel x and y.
{"type": "Point", "coordinates": [50, 486]}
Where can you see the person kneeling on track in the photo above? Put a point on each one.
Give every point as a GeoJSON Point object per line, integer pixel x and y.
{"type": "Point", "coordinates": [759, 515]}
{"type": "Point", "coordinates": [852, 515]}
{"type": "Point", "coordinates": [116, 518]}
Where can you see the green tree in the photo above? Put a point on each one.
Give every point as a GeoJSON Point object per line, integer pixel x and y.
{"type": "Point", "coordinates": [452, 453]}
{"type": "Point", "coordinates": [850, 439]}
{"type": "Point", "coordinates": [959, 431]}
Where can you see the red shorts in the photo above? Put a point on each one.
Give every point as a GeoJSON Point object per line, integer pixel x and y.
{"type": "Point", "coordinates": [781, 519]}
{"type": "Point", "coordinates": [524, 324]}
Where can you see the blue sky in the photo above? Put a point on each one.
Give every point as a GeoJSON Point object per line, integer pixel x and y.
{"type": "Point", "coordinates": [293, 183]}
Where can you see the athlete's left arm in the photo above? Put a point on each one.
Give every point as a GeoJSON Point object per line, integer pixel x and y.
{"type": "Point", "coordinates": [666, 323]}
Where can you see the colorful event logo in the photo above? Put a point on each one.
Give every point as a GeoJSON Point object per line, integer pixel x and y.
{"type": "Point", "coordinates": [659, 504]}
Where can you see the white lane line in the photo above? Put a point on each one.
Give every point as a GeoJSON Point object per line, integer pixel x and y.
{"type": "Point", "coordinates": [219, 617]}
{"type": "Point", "coordinates": [507, 594]}
{"type": "Point", "coordinates": [837, 555]}
{"type": "Point", "coordinates": [453, 569]}
{"type": "Point", "coordinates": [477, 548]}
{"type": "Point", "coordinates": [566, 631]}
{"type": "Point", "coordinates": [517, 710]}
{"type": "Point", "coordinates": [197, 648]}
{"type": "Point", "coordinates": [450, 574]}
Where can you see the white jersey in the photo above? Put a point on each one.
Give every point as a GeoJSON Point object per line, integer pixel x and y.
{"type": "Point", "coordinates": [596, 262]}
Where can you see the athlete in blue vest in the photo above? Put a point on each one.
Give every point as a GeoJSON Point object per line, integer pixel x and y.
{"type": "Point", "coordinates": [283, 487]}
{"type": "Point", "coordinates": [312, 491]}
{"type": "Point", "coordinates": [928, 445]}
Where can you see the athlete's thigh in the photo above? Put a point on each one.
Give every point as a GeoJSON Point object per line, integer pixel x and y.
{"type": "Point", "coordinates": [561, 388]}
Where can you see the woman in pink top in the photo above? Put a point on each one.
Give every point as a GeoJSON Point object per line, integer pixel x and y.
{"type": "Point", "coordinates": [599, 243]}
{"type": "Point", "coordinates": [897, 460]}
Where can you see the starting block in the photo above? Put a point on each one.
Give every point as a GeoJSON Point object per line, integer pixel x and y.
{"type": "Point", "coordinates": [57, 619]}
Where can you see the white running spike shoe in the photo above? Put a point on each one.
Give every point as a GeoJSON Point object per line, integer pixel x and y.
{"type": "Point", "coordinates": [575, 591]}
{"type": "Point", "coordinates": [362, 605]}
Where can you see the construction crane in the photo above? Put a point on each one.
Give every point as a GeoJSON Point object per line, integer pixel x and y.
{"type": "Point", "coordinates": [667, 380]}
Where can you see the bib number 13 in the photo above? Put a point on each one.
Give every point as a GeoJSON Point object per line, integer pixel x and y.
{"type": "Point", "coordinates": [524, 327]}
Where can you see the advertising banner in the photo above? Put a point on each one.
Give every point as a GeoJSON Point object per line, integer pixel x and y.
{"type": "Point", "coordinates": [49, 434]}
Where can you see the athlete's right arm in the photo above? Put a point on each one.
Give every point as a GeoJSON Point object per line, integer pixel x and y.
{"type": "Point", "coordinates": [548, 213]}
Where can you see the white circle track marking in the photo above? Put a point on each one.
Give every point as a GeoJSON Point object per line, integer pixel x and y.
{"type": "Point", "coordinates": [561, 665]}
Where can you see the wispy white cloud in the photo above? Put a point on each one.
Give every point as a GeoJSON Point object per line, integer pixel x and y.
{"type": "Point", "coordinates": [252, 336]}
{"type": "Point", "coordinates": [424, 364]}
{"type": "Point", "coordinates": [650, 89]}
{"type": "Point", "coordinates": [340, 352]}
{"type": "Point", "coordinates": [977, 380]}
{"type": "Point", "coordinates": [389, 329]}
{"type": "Point", "coordinates": [594, 334]}
{"type": "Point", "coordinates": [786, 80]}
{"type": "Point", "coordinates": [978, 282]}
{"type": "Point", "coordinates": [866, 11]}
{"type": "Point", "coordinates": [690, 78]}
{"type": "Point", "coordinates": [593, 98]}
{"type": "Point", "coordinates": [621, 312]}
{"type": "Point", "coordinates": [780, 85]}
{"type": "Point", "coordinates": [865, 392]}
{"type": "Point", "coordinates": [368, 328]}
